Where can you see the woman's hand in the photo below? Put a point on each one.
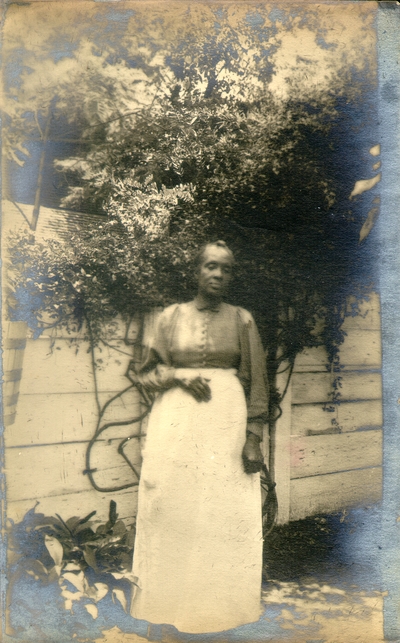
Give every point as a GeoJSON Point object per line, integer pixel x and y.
{"type": "Point", "coordinates": [197, 386]}
{"type": "Point", "coordinates": [252, 456]}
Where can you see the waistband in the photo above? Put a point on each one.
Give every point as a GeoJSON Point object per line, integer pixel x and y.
{"type": "Point", "coordinates": [206, 372]}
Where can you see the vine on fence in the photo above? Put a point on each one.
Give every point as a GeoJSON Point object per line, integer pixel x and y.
{"type": "Point", "coordinates": [101, 410]}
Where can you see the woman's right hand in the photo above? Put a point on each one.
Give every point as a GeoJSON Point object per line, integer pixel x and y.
{"type": "Point", "coordinates": [197, 386]}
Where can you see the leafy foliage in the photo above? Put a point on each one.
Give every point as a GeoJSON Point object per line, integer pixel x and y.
{"type": "Point", "coordinates": [260, 175]}
{"type": "Point", "coordinates": [86, 563]}
{"type": "Point", "coordinates": [191, 141]}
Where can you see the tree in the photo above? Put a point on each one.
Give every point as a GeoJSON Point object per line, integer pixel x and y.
{"type": "Point", "coordinates": [188, 141]}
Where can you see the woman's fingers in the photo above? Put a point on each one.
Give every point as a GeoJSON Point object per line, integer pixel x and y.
{"type": "Point", "coordinates": [204, 387]}
{"type": "Point", "coordinates": [200, 392]}
{"type": "Point", "coordinates": [200, 389]}
{"type": "Point", "coordinates": [252, 456]}
{"type": "Point", "coordinates": [252, 466]}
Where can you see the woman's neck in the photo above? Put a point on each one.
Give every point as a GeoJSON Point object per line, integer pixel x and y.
{"type": "Point", "coordinates": [208, 300]}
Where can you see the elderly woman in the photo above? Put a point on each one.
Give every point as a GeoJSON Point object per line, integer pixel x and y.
{"type": "Point", "coordinates": [198, 550]}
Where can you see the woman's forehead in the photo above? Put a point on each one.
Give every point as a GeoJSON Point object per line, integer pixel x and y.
{"type": "Point", "coordinates": [218, 254]}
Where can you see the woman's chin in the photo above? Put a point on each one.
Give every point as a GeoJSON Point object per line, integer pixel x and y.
{"type": "Point", "coordinates": [215, 292]}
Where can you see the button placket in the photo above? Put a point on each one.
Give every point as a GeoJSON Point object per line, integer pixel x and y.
{"type": "Point", "coordinates": [204, 337]}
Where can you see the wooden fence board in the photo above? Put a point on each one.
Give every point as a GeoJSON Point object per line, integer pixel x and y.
{"type": "Point", "coordinates": [361, 348]}
{"type": "Point", "coordinates": [114, 330]}
{"type": "Point", "coordinates": [13, 359]}
{"type": "Point", "coordinates": [48, 371]}
{"type": "Point", "coordinates": [334, 492]}
{"type": "Point", "coordinates": [68, 417]}
{"type": "Point", "coordinates": [309, 388]}
{"type": "Point", "coordinates": [350, 416]}
{"type": "Point", "coordinates": [311, 359]}
{"type": "Point", "coordinates": [361, 386]}
{"type": "Point", "coordinates": [112, 469]}
{"type": "Point", "coordinates": [356, 415]}
{"type": "Point", "coordinates": [10, 388]}
{"type": "Point", "coordinates": [41, 471]}
{"type": "Point", "coordinates": [79, 504]}
{"type": "Point", "coordinates": [321, 454]}
{"type": "Point", "coordinates": [64, 371]}
{"type": "Point", "coordinates": [369, 317]}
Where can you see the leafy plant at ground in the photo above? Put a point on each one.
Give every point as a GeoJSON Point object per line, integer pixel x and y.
{"type": "Point", "coordinates": [86, 562]}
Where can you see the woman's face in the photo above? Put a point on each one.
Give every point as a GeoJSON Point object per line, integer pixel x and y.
{"type": "Point", "coordinates": [215, 272]}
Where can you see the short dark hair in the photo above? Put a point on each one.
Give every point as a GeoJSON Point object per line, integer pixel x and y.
{"type": "Point", "coordinates": [219, 244]}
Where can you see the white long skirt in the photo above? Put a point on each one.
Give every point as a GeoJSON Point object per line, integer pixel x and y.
{"type": "Point", "coordinates": [198, 550]}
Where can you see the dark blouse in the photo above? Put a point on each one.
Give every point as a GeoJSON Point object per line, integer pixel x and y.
{"type": "Point", "coordinates": [193, 335]}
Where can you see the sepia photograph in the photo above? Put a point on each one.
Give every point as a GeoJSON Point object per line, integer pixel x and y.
{"type": "Point", "coordinates": [200, 394]}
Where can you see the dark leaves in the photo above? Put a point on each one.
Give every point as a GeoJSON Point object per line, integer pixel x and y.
{"type": "Point", "coordinates": [108, 548]}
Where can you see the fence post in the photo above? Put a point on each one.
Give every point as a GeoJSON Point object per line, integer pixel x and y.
{"type": "Point", "coordinates": [14, 342]}
{"type": "Point", "coordinates": [280, 450]}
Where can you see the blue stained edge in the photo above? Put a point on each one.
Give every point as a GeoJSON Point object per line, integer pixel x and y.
{"type": "Point", "coordinates": [388, 28]}
{"type": "Point", "coordinates": [388, 25]}
{"type": "Point", "coordinates": [3, 536]}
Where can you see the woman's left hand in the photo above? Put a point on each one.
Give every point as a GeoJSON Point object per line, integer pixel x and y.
{"type": "Point", "coordinates": [197, 386]}
{"type": "Point", "coordinates": [252, 456]}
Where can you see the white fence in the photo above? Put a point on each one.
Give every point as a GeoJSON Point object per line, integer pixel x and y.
{"type": "Point", "coordinates": [50, 412]}
{"type": "Point", "coordinates": [317, 468]}
{"type": "Point", "coordinates": [323, 467]}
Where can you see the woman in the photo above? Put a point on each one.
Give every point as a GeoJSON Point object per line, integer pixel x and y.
{"type": "Point", "coordinates": [198, 550]}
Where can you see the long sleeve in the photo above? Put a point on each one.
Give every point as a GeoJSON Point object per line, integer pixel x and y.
{"type": "Point", "coordinates": [156, 373]}
{"type": "Point", "coordinates": [252, 372]}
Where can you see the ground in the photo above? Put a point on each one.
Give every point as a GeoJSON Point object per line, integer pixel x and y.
{"type": "Point", "coordinates": [321, 585]}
